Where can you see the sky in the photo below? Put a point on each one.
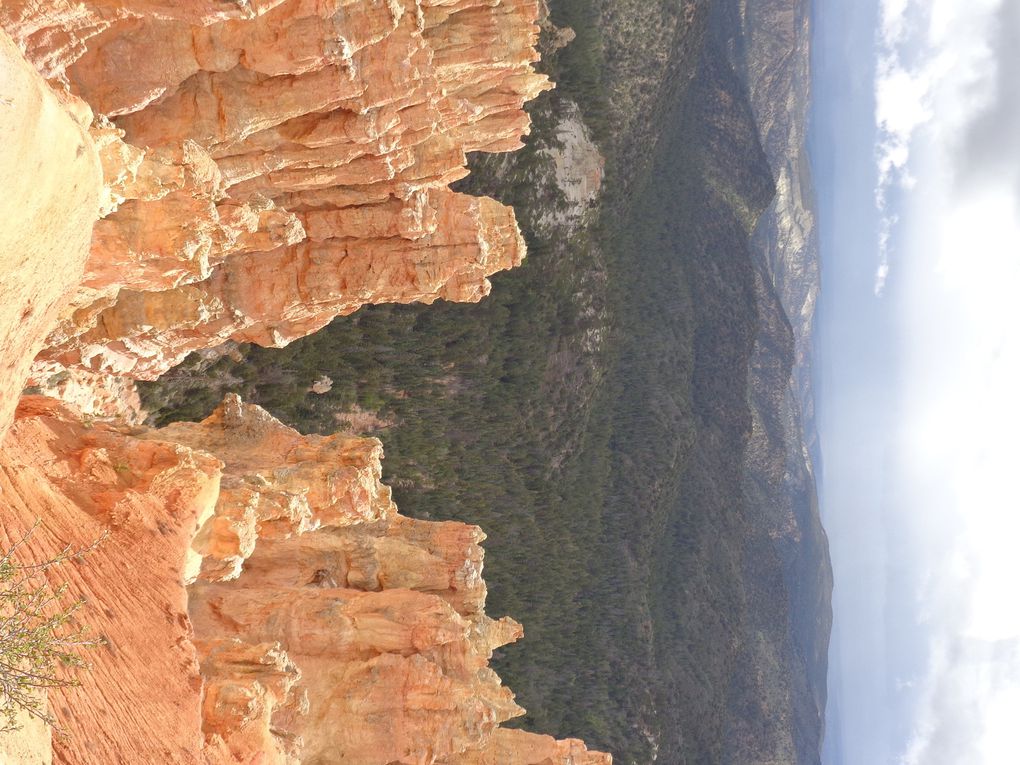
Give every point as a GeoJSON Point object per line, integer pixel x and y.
{"type": "Point", "coordinates": [916, 148]}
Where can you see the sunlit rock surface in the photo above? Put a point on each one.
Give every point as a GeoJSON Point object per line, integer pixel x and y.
{"type": "Point", "coordinates": [83, 482]}
{"type": "Point", "coordinates": [268, 166]}
{"type": "Point", "coordinates": [183, 174]}
{"type": "Point", "coordinates": [319, 626]}
{"type": "Point", "coordinates": [50, 178]}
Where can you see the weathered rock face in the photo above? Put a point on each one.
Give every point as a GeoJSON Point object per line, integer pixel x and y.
{"type": "Point", "coordinates": [351, 613]}
{"type": "Point", "coordinates": [320, 626]}
{"type": "Point", "coordinates": [518, 746]}
{"type": "Point", "coordinates": [213, 171]}
{"type": "Point", "coordinates": [368, 629]}
{"type": "Point", "coordinates": [271, 165]}
{"type": "Point", "coordinates": [579, 170]}
{"type": "Point", "coordinates": [141, 702]}
{"type": "Point", "coordinates": [278, 484]}
{"type": "Point", "coordinates": [50, 179]}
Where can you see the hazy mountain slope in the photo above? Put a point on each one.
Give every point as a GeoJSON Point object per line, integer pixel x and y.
{"type": "Point", "coordinates": [775, 60]}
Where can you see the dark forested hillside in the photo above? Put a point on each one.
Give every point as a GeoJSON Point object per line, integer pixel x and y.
{"type": "Point", "coordinates": [616, 415]}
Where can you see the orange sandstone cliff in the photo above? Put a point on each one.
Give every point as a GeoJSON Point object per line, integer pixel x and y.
{"type": "Point", "coordinates": [270, 165]}
{"type": "Point", "coordinates": [180, 174]}
{"type": "Point", "coordinates": [260, 598]}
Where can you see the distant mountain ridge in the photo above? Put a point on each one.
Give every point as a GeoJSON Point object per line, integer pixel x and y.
{"type": "Point", "coordinates": [765, 45]}
{"type": "Point", "coordinates": [776, 63]}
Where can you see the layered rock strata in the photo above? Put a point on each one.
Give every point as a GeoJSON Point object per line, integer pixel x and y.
{"type": "Point", "coordinates": [334, 608]}
{"type": "Point", "coordinates": [268, 166]}
{"type": "Point", "coordinates": [81, 482]}
{"type": "Point", "coordinates": [319, 625]}
{"type": "Point", "coordinates": [209, 171]}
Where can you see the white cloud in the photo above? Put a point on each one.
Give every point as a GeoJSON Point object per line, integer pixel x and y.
{"type": "Point", "coordinates": [901, 106]}
{"type": "Point", "coordinates": [950, 252]}
{"type": "Point", "coordinates": [961, 359]}
{"type": "Point", "coordinates": [893, 23]}
{"type": "Point", "coordinates": [935, 69]}
{"type": "Point", "coordinates": [972, 702]}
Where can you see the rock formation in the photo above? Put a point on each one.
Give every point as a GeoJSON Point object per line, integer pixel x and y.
{"type": "Point", "coordinates": [319, 625]}
{"type": "Point", "coordinates": [141, 700]}
{"type": "Point", "coordinates": [52, 214]}
{"type": "Point", "coordinates": [270, 165]}
{"type": "Point", "coordinates": [184, 174]}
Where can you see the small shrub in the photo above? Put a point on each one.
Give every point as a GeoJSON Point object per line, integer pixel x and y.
{"type": "Point", "coordinates": [40, 640]}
